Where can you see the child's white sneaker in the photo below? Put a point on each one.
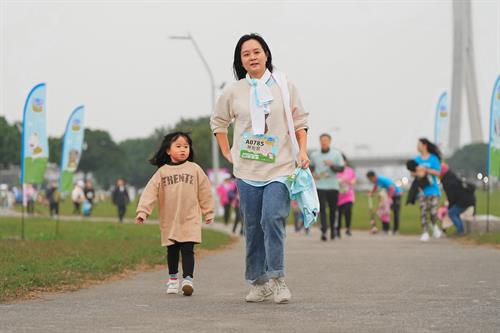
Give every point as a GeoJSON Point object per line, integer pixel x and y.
{"type": "Point", "coordinates": [259, 292]}
{"type": "Point", "coordinates": [281, 292]}
{"type": "Point", "coordinates": [436, 232]}
{"type": "Point", "coordinates": [187, 287]}
{"type": "Point", "coordinates": [425, 237]}
{"type": "Point", "coordinates": [173, 286]}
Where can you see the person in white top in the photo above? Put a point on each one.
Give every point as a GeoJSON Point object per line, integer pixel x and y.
{"type": "Point", "coordinates": [77, 196]}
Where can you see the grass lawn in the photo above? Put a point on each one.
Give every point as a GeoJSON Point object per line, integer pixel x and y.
{"type": "Point", "coordinates": [491, 238]}
{"type": "Point", "coordinates": [84, 251]}
{"type": "Point", "coordinates": [494, 202]}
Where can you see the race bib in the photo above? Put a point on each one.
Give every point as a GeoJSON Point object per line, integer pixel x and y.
{"type": "Point", "coordinates": [260, 147]}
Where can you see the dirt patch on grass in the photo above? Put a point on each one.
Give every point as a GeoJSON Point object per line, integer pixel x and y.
{"type": "Point", "coordinates": [474, 242]}
{"type": "Point", "coordinates": [40, 292]}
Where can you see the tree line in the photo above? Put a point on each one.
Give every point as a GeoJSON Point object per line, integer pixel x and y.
{"type": "Point", "coordinates": [108, 160]}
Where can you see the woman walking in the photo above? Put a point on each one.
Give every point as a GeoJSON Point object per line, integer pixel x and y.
{"type": "Point", "coordinates": [269, 137]}
{"type": "Point", "coordinates": [429, 164]}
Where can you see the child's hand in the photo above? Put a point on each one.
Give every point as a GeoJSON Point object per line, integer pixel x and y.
{"type": "Point", "coordinates": [209, 221]}
{"type": "Point", "coordinates": [139, 220]}
{"type": "Point", "coordinates": [421, 171]}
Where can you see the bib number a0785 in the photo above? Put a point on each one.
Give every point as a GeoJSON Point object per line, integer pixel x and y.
{"type": "Point", "coordinates": [261, 147]}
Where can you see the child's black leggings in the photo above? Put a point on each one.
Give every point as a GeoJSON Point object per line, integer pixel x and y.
{"type": "Point", "coordinates": [346, 211]}
{"type": "Point", "coordinates": [187, 251]}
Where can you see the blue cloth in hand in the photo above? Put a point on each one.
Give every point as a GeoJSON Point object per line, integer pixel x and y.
{"type": "Point", "coordinates": [303, 189]}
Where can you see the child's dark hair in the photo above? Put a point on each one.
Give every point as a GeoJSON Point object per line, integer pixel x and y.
{"type": "Point", "coordinates": [411, 165]}
{"type": "Point", "coordinates": [160, 158]}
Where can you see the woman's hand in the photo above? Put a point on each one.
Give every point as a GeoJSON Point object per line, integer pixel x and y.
{"type": "Point", "coordinates": [209, 221]}
{"type": "Point", "coordinates": [301, 136]}
{"type": "Point", "coordinates": [304, 159]}
{"type": "Point", "coordinates": [139, 220]}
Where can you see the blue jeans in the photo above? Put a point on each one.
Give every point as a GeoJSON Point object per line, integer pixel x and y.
{"type": "Point", "coordinates": [454, 214]}
{"type": "Point", "coordinates": [264, 210]}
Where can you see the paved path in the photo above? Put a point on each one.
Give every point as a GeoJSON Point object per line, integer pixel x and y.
{"type": "Point", "coordinates": [361, 284]}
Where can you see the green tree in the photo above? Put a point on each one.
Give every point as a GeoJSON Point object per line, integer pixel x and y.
{"type": "Point", "coordinates": [103, 157]}
{"type": "Point", "coordinates": [10, 143]}
{"type": "Point", "coordinates": [470, 160]}
{"type": "Point", "coordinates": [55, 150]}
{"type": "Point", "coordinates": [137, 153]}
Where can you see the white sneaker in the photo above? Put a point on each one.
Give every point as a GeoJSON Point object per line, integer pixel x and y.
{"type": "Point", "coordinates": [173, 286]}
{"type": "Point", "coordinates": [425, 237]}
{"type": "Point", "coordinates": [187, 287]}
{"type": "Point", "coordinates": [436, 232]}
{"type": "Point", "coordinates": [281, 292]}
{"type": "Point", "coordinates": [259, 292]}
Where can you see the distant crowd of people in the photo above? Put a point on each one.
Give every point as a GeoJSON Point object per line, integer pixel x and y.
{"type": "Point", "coordinates": [83, 197]}
{"type": "Point", "coordinates": [429, 171]}
{"type": "Point", "coordinates": [335, 180]}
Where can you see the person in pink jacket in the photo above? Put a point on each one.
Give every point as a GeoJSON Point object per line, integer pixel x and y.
{"type": "Point", "coordinates": [347, 179]}
{"type": "Point", "coordinates": [226, 192]}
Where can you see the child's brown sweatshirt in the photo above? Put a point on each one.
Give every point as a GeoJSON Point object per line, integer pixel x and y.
{"type": "Point", "coordinates": [184, 194]}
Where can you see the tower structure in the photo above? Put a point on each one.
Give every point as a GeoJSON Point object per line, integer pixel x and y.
{"type": "Point", "coordinates": [463, 77]}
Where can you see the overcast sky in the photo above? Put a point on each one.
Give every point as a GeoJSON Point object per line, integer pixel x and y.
{"type": "Point", "coordinates": [369, 72]}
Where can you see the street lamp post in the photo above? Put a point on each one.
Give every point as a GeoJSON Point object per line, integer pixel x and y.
{"type": "Point", "coordinates": [215, 148]}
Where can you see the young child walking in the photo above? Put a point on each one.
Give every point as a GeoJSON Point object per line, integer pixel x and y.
{"type": "Point", "coordinates": [183, 193]}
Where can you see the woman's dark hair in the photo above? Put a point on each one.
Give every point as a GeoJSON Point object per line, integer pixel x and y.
{"type": "Point", "coordinates": [432, 148]}
{"type": "Point", "coordinates": [239, 71]}
{"type": "Point", "coordinates": [160, 158]}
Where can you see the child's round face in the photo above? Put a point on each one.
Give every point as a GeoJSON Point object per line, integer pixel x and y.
{"type": "Point", "coordinates": [179, 150]}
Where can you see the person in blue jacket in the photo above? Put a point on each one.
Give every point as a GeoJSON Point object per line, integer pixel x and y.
{"type": "Point", "coordinates": [429, 163]}
{"type": "Point", "coordinates": [394, 191]}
